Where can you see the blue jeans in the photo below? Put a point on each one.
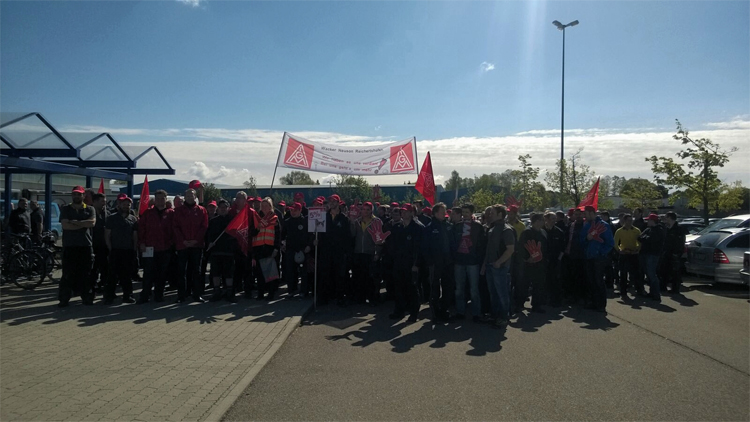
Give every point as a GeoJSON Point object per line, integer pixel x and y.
{"type": "Point", "coordinates": [462, 272]}
{"type": "Point", "coordinates": [652, 263]}
{"type": "Point", "coordinates": [498, 281]}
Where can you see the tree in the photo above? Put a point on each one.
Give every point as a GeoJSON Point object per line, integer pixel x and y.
{"type": "Point", "coordinates": [731, 197]}
{"type": "Point", "coordinates": [698, 175]}
{"type": "Point", "coordinates": [640, 193]}
{"type": "Point", "coordinates": [526, 185]}
{"type": "Point", "coordinates": [251, 186]}
{"type": "Point", "coordinates": [277, 197]}
{"type": "Point", "coordinates": [296, 177]}
{"type": "Point", "coordinates": [351, 188]}
{"type": "Point", "coordinates": [577, 179]}
{"type": "Point", "coordinates": [483, 198]}
{"type": "Point", "coordinates": [210, 193]}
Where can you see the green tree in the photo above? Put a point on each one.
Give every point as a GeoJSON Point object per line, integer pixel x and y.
{"type": "Point", "coordinates": [697, 176]}
{"type": "Point", "coordinates": [577, 179]}
{"type": "Point", "coordinates": [351, 188]}
{"type": "Point", "coordinates": [250, 186]}
{"type": "Point", "coordinates": [526, 186]}
{"type": "Point", "coordinates": [296, 177]}
{"type": "Point", "coordinates": [640, 193]}
{"type": "Point", "coordinates": [483, 198]}
{"type": "Point", "coordinates": [277, 197]}
{"type": "Point", "coordinates": [731, 197]}
{"type": "Point", "coordinates": [210, 193]}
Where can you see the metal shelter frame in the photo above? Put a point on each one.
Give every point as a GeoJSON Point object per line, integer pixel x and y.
{"type": "Point", "coordinates": [33, 154]}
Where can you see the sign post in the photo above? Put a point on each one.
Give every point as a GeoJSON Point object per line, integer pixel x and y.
{"type": "Point", "coordinates": [316, 223]}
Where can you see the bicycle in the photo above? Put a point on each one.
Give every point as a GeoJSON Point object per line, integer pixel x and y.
{"type": "Point", "coordinates": [48, 249]}
{"type": "Point", "coordinates": [26, 268]}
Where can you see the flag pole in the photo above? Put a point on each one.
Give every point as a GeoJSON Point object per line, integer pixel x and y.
{"type": "Point", "coordinates": [315, 286]}
{"type": "Point", "coordinates": [273, 178]}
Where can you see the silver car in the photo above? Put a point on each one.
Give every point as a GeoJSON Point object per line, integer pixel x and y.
{"type": "Point", "coordinates": [719, 254]}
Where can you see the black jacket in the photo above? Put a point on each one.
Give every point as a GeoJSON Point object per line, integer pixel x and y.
{"type": "Point", "coordinates": [337, 239]}
{"type": "Point", "coordinates": [474, 250]}
{"type": "Point", "coordinates": [296, 235]}
{"type": "Point", "coordinates": [674, 243]}
{"type": "Point", "coordinates": [555, 243]}
{"type": "Point", "coordinates": [540, 237]}
{"type": "Point", "coordinates": [652, 240]}
{"type": "Point", "coordinates": [405, 242]}
{"type": "Point", "coordinates": [226, 244]}
{"type": "Point", "coordinates": [436, 242]}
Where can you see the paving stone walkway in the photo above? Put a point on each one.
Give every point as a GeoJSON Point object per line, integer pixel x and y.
{"type": "Point", "coordinates": [158, 361]}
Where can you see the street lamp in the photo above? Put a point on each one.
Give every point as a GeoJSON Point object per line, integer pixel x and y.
{"type": "Point", "coordinates": [562, 27]}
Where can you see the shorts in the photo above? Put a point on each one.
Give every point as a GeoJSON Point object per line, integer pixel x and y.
{"type": "Point", "coordinates": [222, 266]}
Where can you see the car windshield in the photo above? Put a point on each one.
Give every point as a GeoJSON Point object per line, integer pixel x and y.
{"type": "Point", "coordinates": [722, 224]}
{"type": "Point", "coordinates": [711, 239]}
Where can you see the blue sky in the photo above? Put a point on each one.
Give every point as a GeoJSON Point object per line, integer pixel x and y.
{"type": "Point", "coordinates": [377, 69]}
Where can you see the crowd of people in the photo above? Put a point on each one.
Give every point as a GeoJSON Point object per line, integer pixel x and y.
{"type": "Point", "coordinates": [486, 265]}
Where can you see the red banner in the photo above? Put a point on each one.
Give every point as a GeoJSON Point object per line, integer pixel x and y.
{"type": "Point", "coordinates": [145, 198]}
{"type": "Point", "coordinates": [591, 198]}
{"type": "Point", "coordinates": [426, 182]}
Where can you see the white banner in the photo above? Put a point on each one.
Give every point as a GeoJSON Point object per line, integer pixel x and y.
{"type": "Point", "coordinates": [367, 160]}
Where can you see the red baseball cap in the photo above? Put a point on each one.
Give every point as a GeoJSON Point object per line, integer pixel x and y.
{"type": "Point", "coordinates": [367, 204]}
{"type": "Point", "coordinates": [78, 189]}
{"type": "Point", "coordinates": [120, 197]}
{"type": "Point", "coordinates": [213, 203]}
{"type": "Point", "coordinates": [427, 210]}
{"type": "Point", "coordinates": [408, 207]}
{"type": "Point", "coordinates": [282, 204]}
{"type": "Point", "coordinates": [334, 198]}
{"type": "Point", "coordinates": [297, 206]}
{"type": "Point", "coordinates": [652, 217]}
{"type": "Point", "coordinates": [258, 199]}
{"type": "Point", "coordinates": [395, 204]}
{"type": "Point", "coordinates": [298, 195]}
{"type": "Point", "coordinates": [194, 184]}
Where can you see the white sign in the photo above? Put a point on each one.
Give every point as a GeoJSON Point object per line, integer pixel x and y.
{"type": "Point", "coordinates": [316, 220]}
{"type": "Point", "coordinates": [368, 160]}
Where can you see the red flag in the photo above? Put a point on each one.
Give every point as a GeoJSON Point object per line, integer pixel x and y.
{"type": "Point", "coordinates": [101, 186]}
{"type": "Point", "coordinates": [425, 182]}
{"type": "Point", "coordinates": [239, 227]}
{"type": "Point", "coordinates": [591, 198]}
{"type": "Point", "coordinates": [145, 198]}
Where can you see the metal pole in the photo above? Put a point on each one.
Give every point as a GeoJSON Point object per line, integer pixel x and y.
{"type": "Point", "coordinates": [48, 202]}
{"type": "Point", "coordinates": [88, 182]}
{"type": "Point", "coordinates": [315, 287]}
{"type": "Point", "coordinates": [7, 197]}
{"type": "Point", "coordinates": [562, 123]}
{"type": "Point", "coordinates": [275, 167]}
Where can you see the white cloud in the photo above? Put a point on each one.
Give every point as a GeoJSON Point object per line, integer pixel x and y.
{"type": "Point", "coordinates": [738, 122]}
{"type": "Point", "coordinates": [331, 178]}
{"type": "Point", "coordinates": [438, 178]}
{"type": "Point", "coordinates": [486, 67]}
{"type": "Point", "coordinates": [234, 155]}
{"type": "Point", "coordinates": [193, 3]}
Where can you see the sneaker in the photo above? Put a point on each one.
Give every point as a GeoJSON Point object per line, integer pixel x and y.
{"type": "Point", "coordinates": [500, 322]}
{"type": "Point", "coordinates": [128, 299]}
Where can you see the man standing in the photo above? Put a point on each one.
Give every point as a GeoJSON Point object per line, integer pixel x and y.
{"type": "Point", "coordinates": [368, 241]}
{"type": "Point", "coordinates": [574, 282]}
{"type": "Point", "coordinates": [501, 241]}
{"type": "Point", "coordinates": [519, 295]}
{"type": "Point", "coordinates": [296, 242]}
{"type": "Point", "coordinates": [609, 268]}
{"type": "Point", "coordinates": [638, 221]}
{"type": "Point", "coordinates": [20, 218]}
{"type": "Point", "coordinates": [334, 248]}
{"type": "Point", "coordinates": [468, 251]}
{"type": "Point", "coordinates": [37, 221]}
{"type": "Point", "coordinates": [652, 242]}
{"type": "Point", "coordinates": [76, 219]}
{"type": "Point", "coordinates": [121, 236]}
{"type": "Point", "coordinates": [190, 224]}
{"type": "Point", "coordinates": [436, 245]}
{"type": "Point", "coordinates": [533, 253]}
{"type": "Point", "coordinates": [597, 241]}
{"type": "Point", "coordinates": [156, 240]}
{"type": "Point", "coordinates": [100, 270]}
{"type": "Point", "coordinates": [222, 247]}
{"type": "Point", "coordinates": [674, 245]}
{"type": "Point", "coordinates": [555, 252]}
{"type": "Point", "coordinates": [405, 249]}
{"type": "Point", "coordinates": [628, 246]}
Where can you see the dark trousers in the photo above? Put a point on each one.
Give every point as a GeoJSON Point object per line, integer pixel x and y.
{"type": "Point", "coordinates": [188, 270]}
{"type": "Point", "coordinates": [333, 280]}
{"type": "Point", "coordinates": [388, 276]}
{"type": "Point", "coordinates": [155, 274]}
{"type": "Point", "coordinates": [554, 282]}
{"type": "Point", "coordinates": [670, 272]}
{"type": "Point", "coordinates": [264, 287]}
{"type": "Point", "coordinates": [609, 272]}
{"type": "Point", "coordinates": [293, 272]}
{"type": "Point", "coordinates": [441, 288]}
{"type": "Point", "coordinates": [484, 294]}
{"type": "Point", "coordinates": [629, 273]}
{"type": "Point", "coordinates": [574, 278]}
{"type": "Point", "coordinates": [518, 283]}
{"type": "Point", "coordinates": [121, 263]}
{"type": "Point", "coordinates": [405, 288]}
{"type": "Point", "coordinates": [99, 271]}
{"type": "Point", "coordinates": [535, 276]}
{"type": "Point", "coordinates": [424, 281]}
{"type": "Point", "coordinates": [363, 280]}
{"type": "Point", "coordinates": [173, 275]}
{"type": "Point", "coordinates": [243, 272]}
{"type": "Point", "coordinates": [77, 261]}
{"type": "Point", "coordinates": [596, 288]}
{"type": "Point", "coordinates": [204, 267]}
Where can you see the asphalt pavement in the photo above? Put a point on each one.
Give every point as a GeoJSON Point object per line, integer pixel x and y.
{"type": "Point", "coordinates": [687, 358]}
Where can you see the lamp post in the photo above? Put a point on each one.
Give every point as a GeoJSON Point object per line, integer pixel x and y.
{"type": "Point", "coordinates": [562, 27]}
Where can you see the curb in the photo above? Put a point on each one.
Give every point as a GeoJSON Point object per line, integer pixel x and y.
{"type": "Point", "coordinates": [225, 403]}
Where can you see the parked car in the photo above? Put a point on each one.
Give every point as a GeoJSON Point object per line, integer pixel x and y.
{"type": "Point", "coordinates": [719, 254]}
{"type": "Point", "coordinates": [745, 271]}
{"type": "Point", "coordinates": [733, 221]}
{"type": "Point", "coordinates": [692, 227]}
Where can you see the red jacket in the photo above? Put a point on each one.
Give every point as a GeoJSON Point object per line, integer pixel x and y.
{"type": "Point", "coordinates": [156, 230]}
{"type": "Point", "coordinates": [190, 223]}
